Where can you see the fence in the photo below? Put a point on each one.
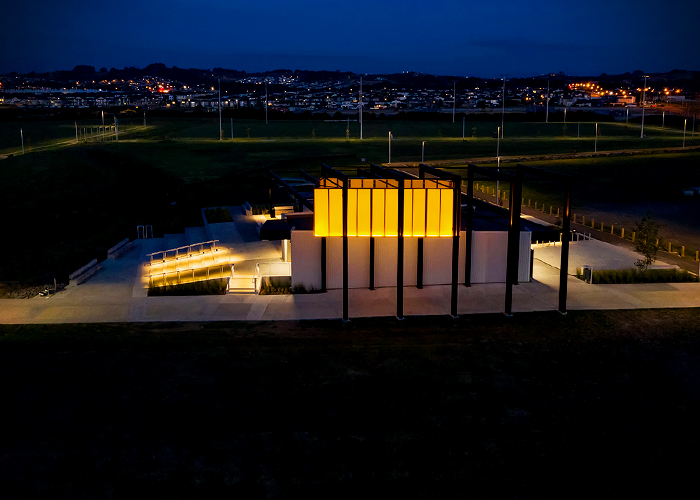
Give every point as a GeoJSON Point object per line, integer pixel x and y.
{"type": "Point", "coordinates": [667, 246]}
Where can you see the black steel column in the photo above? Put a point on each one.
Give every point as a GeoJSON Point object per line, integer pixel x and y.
{"type": "Point", "coordinates": [419, 264]}
{"type": "Point", "coordinates": [470, 224]}
{"type": "Point", "coordinates": [345, 249]}
{"type": "Point", "coordinates": [323, 264]}
{"type": "Point", "coordinates": [371, 263]}
{"type": "Point", "coordinates": [512, 257]}
{"type": "Point", "coordinates": [565, 237]}
{"type": "Point", "coordinates": [419, 254]}
{"type": "Point", "coordinates": [399, 257]}
{"type": "Point", "coordinates": [456, 223]}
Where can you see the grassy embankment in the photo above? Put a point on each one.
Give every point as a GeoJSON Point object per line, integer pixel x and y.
{"type": "Point", "coordinates": [593, 404]}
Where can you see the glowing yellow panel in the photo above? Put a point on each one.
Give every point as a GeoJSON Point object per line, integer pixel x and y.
{"type": "Point", "coordinates": [419, 212]}
{"type": "Point", "coordinates": [430, 184]}
{"type": "Point", "coordinates": [335, 212]}
{"type": "Point", "coordinates": [352, 212]}
{"type": "Point", "coordinates": [408, 212]}
{"type": "Point", "coordinates": [320, 212]}
{"type": "Point", "coordinates": [433, 212]}
{"type": "Point", "coordinates": [363, 212]}
{"type": "Point", "coordinates": [378, 212]}
{"type": "Point", "coordinates": [446, 212]}
{"type": "Point", "coordinates": [391, 219]}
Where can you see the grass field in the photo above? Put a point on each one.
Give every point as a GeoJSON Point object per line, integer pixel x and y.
{"type": "Point", "coordinates": [64, 206]}
{"type": "Point", "coordinates": [590, 405]}
{"type": "Point", "coordinates": [519, 139]}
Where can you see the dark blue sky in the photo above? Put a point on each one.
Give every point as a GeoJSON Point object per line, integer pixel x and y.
{"type": "Point", "coordinates": [454, 37]}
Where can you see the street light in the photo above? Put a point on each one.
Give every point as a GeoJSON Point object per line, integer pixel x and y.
{"type": "Point", "coordinates": [498, 142]}
{"type": "Point", "coordinates": [644, 98]}
{"type": "Point", "coordinates": [685, 123]}
{"type": "Point", "coordinates": [503, 112]}
{"type": "Point", "coordinates": [546, 119]}
{"type": "Point", "coordinates": [359, 105]}
{"type": "Point", "coordinates": [422, 153]}
{"type": "Point", "coordinates": [454, 100]}
{"type": "Point", "coordinates": [221, 135]}
{"type": "Point", "coordinates": [595, 150]}
{"type": "Point", "coordinates": [390, 138]}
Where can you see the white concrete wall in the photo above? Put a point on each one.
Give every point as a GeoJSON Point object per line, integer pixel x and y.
{"type": "Point", "coordinates": [489, 251]}
{"type": "Point", "coordinates": [489, 254]}
{"type": "Point", "coordinates": [306, 268]}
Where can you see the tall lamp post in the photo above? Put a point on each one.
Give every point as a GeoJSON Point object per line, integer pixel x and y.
{"type": "Point", "coordinates": [546, 119]}
{"type": "Point", "coordinates": [503, 112]}
{"type": "Point", "coordinates": [644, 98]}
{"type": "Point", "coordinates": [221, 136]}
{"type": "Point", "coordinates": [454, 100]}
{"type": "Point", "coordinates": [390, 137]}
{"type": "Point", "coordinates": [359, 104]}
{"type": "Point", "coordinates": [422, 153]}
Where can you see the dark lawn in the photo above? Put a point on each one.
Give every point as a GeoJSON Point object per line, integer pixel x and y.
{"type": "Point", "coordinates": [591, 405]}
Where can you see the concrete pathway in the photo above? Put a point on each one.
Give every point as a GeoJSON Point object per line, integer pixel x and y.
{"type": "Point", "coordinates": [117, 293]}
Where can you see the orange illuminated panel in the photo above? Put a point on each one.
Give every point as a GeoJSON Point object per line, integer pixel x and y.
{"type": "Point", "coordinates": [433, 213]}
{"type": "Point", "coordinates": [321, 212]}
{"type": "Point", "coordinates": [446, 212]}
{"type": "Point", "coordinates": [352, 212]}
{"type": "Point", "coordinates": [418, 212]}
{"type": "Point", "coordinates": [408, 212]}
{"type": "Point", "coordinates": [378, 212]}
{"type": "Point", "coordinates": [335, 212]}
{"type": "Point", "coordinates": [363, 212]}
{"type": "Point", "coordinates": [391, 219]}
{"type": "Point", "coordinates": [373, 208]}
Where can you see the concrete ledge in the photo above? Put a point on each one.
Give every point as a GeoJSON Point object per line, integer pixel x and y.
{"type": "Point", "coordinates": [84, 273]}
{"type": "Point", "coordinates": [120, 249]}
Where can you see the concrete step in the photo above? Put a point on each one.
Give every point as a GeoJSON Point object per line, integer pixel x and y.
{"type": "Point", "coordinates": [241, 285]}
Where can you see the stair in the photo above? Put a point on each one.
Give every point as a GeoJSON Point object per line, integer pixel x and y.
{"type": "Point", "coordinates": [241, 285]}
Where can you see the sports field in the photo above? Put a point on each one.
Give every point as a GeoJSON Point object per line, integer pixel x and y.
{"type": "Point", "coordinates": [65, 204]}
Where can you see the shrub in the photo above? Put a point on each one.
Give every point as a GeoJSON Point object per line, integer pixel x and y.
{"type": "Point", "coordinates": [208, 287]}
{"type": "Point", "coordinates": [627, 276]}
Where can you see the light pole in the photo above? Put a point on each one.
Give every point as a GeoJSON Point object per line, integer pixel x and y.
{"type": "Point", "coordinates": [503, 109]}
{"type": "Point", "coordinates": [454, 100]}
{"type": "Point", "coordinates": [76, 132]}
{"type": "Point", "coordinates": [627, 119]}
{"type": "Point", "coordinates": [422, 153]}
{"type": "Point", "coordinates": [221, 133]}
{"type": "Point", "coordinates": [595, 149]}
{"type": "Point", "coordinates": [644, 98]}
{"type": "Point", "coordinates": [21, 134]}
{"type": "Point", "coordinates": [498, 142]}
{"type": "Point", "coordinates": [685, 123]}
{"type": "Point", "coordinates": [663, 119]}
{"type": "Point", "coordinates": [546, 118]}
{"type": "Point", "coordinates": [498, 189]}
{"type": "Point", "coordinates": [464, 123]}
{"type": "Point", "coordinates": [265, 103]}
{"type": "Point", "coordinates": [390, 137]}
{"type": "Point", "coordinates": [359, 104]}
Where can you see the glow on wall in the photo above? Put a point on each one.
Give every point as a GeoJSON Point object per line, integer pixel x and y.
{"type": "Point", "coordinates": [373, 207]}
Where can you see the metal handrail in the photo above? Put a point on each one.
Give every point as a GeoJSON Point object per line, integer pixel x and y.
{"type": "Point", "coordinates": [213, 247]}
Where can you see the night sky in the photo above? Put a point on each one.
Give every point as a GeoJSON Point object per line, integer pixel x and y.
{"type": "Point", "coordinates": [455, 37]}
